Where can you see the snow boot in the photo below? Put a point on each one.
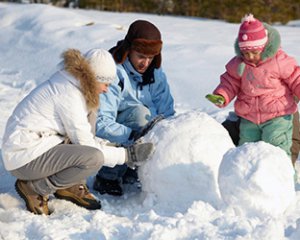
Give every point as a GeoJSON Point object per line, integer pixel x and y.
{"type": "Point", "coordinates": [80, 195]}
{"type": "Point", "coordinates": [35, 203]}
{"type": "Point", "coordinates": [106, 186]}
{"type": "Point", "coordinates": [130, 176]}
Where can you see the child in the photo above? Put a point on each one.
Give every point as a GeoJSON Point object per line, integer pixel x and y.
{"type": "Point", "coordinates": [264, 79]}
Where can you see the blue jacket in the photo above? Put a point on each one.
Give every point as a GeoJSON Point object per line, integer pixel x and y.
{"type": "Point", "coordinates": [126, 92]}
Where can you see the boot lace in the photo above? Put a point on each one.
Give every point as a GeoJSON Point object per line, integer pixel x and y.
{"type": "Point", "coordinates": [43, 201]}
{"type": "Point", "coordinates": [84, 191]}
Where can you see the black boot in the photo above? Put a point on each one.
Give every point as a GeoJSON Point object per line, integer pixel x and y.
{"type": "Point", "coordinates": [106, 186]}
{"type": "Point", "coordinates": [130, 176]}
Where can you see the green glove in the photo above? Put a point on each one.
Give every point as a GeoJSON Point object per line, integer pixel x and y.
{"type": "Point", "coordinates": [216, 99]}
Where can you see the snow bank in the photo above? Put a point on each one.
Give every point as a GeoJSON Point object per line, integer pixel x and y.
{"type": "Point", "coordinates": [257, 179]}
{"type": "Point", "coordinates": [184, 167]}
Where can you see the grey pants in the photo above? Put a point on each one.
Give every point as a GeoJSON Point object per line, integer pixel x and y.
{"type": "Point", "coordinates": [60, 167]}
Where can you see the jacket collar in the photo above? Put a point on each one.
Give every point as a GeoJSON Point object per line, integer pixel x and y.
{"type": "Point", "coordinates": [135, 75]}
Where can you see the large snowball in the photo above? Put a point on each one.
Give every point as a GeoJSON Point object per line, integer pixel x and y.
{"type": "Point", "coordinates": [184, 167]}
{"type": "Point", "coordinates": [257, 179]}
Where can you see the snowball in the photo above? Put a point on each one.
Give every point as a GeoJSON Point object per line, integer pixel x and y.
{"type": "Point", "coordinates": [257, 179]}
{"type": "Point", "coordinates": [184, 167]}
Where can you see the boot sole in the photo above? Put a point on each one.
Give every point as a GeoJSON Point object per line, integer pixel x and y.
{"type": "Point", "coordinates": [78, 201]}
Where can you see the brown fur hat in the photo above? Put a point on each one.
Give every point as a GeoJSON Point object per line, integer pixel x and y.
{"type": "Point", "coordinates": [143, 37]}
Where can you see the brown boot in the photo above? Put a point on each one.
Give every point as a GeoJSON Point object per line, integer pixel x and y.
{"type": "Point", "coordinates": [34, 202]}
{"type": "Point", "coordinates": [80, 195]}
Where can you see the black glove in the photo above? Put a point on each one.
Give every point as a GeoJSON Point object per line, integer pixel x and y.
{"type": "Point", "coordinates": [135, 135]}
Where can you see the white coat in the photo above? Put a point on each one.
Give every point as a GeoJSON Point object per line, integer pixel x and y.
{"type": "Point", "coordinates": [55, 110]}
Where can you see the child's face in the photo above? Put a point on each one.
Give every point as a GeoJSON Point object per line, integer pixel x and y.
{"type": "Point", "coordinates": [252, 56]}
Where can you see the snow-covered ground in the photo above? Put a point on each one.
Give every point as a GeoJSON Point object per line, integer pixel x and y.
{"type": "Point", "coordinates": [197, 185]}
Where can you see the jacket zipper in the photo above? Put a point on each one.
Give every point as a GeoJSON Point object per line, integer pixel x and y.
{"type": "Point", "coordinates": [258, 112]}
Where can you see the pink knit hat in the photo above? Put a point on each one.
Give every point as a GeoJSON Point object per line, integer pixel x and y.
{"type": "Point", "coordinates": [252, 34]}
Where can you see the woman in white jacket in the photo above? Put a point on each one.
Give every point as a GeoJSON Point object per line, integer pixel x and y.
{"type": "Point", "coordinates": [58, 111]}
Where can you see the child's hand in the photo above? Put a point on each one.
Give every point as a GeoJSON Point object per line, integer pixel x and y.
{"type": "Point", "coordinates": [216, 99]}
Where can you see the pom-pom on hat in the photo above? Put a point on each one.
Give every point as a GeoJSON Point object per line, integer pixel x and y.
{"type": "Point", "coordinates": [252, 34]}
{"type": "Point", "coordinates": [102, 64]}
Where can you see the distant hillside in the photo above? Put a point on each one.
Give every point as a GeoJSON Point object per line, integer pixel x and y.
{"type": "Point", "coordinates": [271, 11]}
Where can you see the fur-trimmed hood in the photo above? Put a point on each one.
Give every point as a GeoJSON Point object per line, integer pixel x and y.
{"type": "Point", "coordinates": [270, 49]}
{"type": "Point", "coordinates": [80, 69]}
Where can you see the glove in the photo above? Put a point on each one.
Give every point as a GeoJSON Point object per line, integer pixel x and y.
{"type": "Point", "coordinates": [137, 154]}
{"type": "Point", "coordinates": [135, 135]}
{"type": "Point", "coordinates": [216, 99]}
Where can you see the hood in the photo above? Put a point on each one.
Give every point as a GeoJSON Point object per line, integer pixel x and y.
{"type": "Point", "coordinates": [76, 65]}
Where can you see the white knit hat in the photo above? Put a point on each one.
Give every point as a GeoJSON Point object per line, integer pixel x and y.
{"type": "Point", "coordinates": [103, 65]}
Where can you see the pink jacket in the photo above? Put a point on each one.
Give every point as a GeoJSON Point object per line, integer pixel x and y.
{"type": "Point", "coordinates": [264, 91]}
